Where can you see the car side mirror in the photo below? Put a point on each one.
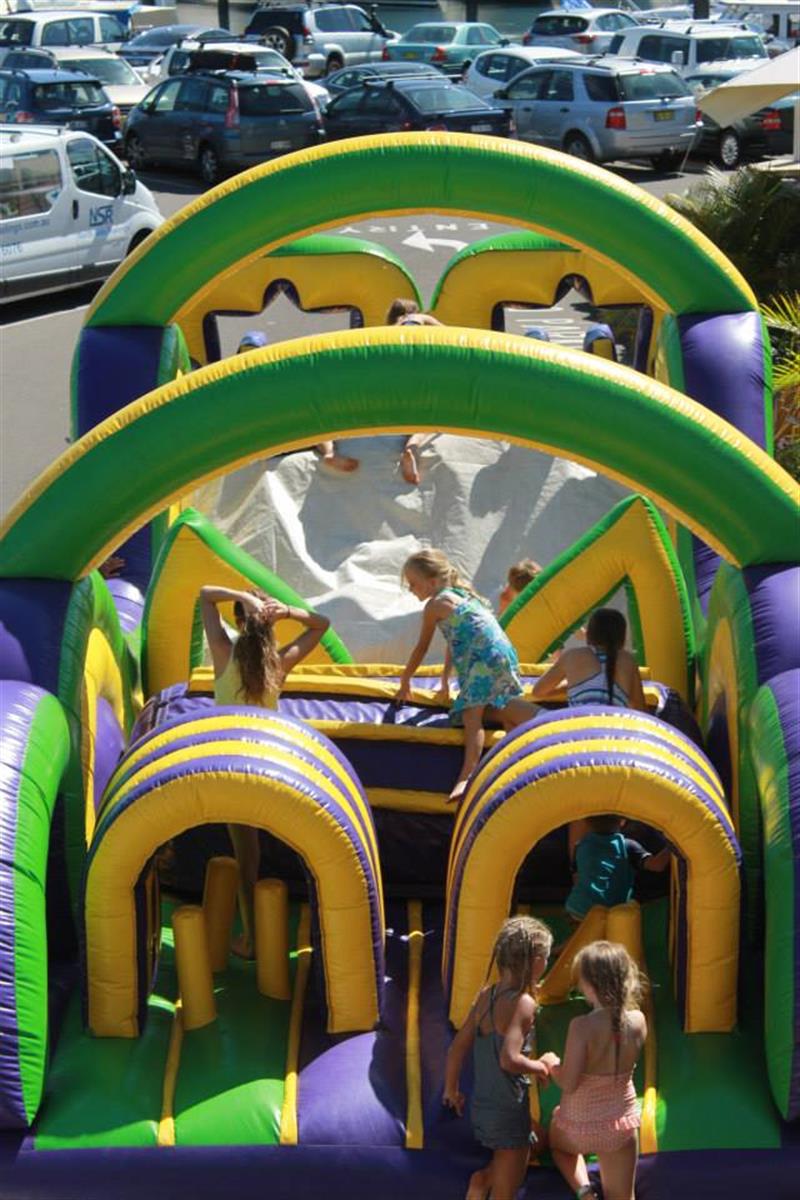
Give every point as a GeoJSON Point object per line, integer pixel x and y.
{"type": "Point", "coordinates": [128, 182]}
{"type": "Point", "coordinates": [677, 58]}
{"type": "Point", "coordinates": [505, 41]}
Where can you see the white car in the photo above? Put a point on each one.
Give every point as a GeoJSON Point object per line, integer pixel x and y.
{"type": "Point", "coordinates": [587, 30]}
{"type": "Point", "coordinates": [69, 210]}
{"type": "Point", "coordinates": [493, 69]}
{"type": "Point", "coordinates": [689, 45]}
{"type": "Point", "coordinates": [60, 27]}
{"type": "Point", "coordinates": [233, 55]}
{"type": "Point", "coordinates": [123, 86]}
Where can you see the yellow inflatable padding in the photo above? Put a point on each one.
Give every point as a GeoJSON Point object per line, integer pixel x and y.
{"type": "Point", "coordinates": [241, 798]}
{"type": "Point", "coordinates": [361, 281]}
{"type": "Point", "coordinates": [525, 817]}
{"type": "Point", "coordinates": [190, 564]}
{"type": "Point", "coordinates": [477, 283]}
{"type": "Point", "coordinates": [722, 681]}
{"type": "Point", "coordinates": [101, 678]}
{"type": "Point", "coordinates": [630, 548]}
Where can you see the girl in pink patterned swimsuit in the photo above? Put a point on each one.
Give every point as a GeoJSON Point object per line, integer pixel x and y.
{"type": "Point", "coordinates": [598, 1113]}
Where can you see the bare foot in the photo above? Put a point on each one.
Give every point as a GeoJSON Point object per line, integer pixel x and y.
{"type": "Point", "coordinates": [339, 462]}
{"type": "Point", "coordinates": [457, 794]}
{"type": "Point", "coordinates": [409, 466]}
{"type": "Point", "coordinates": [242, 947]}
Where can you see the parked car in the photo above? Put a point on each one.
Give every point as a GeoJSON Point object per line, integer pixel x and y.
{"type": "Point", "coordinates": [22, 58]}
{"type": "Point", "coordinates": [494, 68]}
{"type": "Point", "coordinates": [215, 55]}
{"type": "Point", "coordinates": [73, 101]}
{"type": "Point", "coordinates": [687, 46]}
{"type": "Point", "coordinates": [320, 39]}
{"type": "Point", "coordinates": [121, 84]}
{"type": "Point", "coordinates": [349, 77]}
{"type": "Point", "coordinates": [221, 122]}
{"type": "Point", "coordinates": [759, 133]}
{"type": "Point", "coordinates": [587, 30]}
{"type": "Point", "coordinates": [446, 44]}
{"type": "Point", "coordinates": [141, 50]}
{"type": "Point", "coordinates": [419, 102]}
{"type": "Point", "coordinates": [60, 27]}
{"type": "Point", "coordinates": [604, 109]}
{"type": "Point", "coordinates": [69, 211]}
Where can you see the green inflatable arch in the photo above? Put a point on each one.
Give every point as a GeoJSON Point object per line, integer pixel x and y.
{"type": "Point", "coordinates": [401, 378]}
{"type": "Point", "coordinates": [673, 264]}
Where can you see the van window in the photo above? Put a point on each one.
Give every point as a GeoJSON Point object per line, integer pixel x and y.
{"type": "Point", "coordinates": [92, 169]}
{"type": "Point", "coordinates": [29, 183]}
{"type": "Point", "coordinates": [269, 99]}
{"type": "Point", "coordinates": [81, 31]}
{"type": "Point", "coordinates": [68, 95]}
{"type": "Point", "coordinates": [55, 33]}
{"type": "Point", "coordinates": [652, 85]}
{"type": "Point", "coordinates": [111, 30]}
{"type": "Point", "coordinates": [719, 48]}
{"type": "Point", "coordinates": [16, 33]}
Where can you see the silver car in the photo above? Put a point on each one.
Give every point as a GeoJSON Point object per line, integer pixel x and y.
{"type": "Point", "coordinates": [587, 30]}
{"type": "Point", "coordinates": [605, 109]}
{"type": "Point", "coordinates": [493, 69]}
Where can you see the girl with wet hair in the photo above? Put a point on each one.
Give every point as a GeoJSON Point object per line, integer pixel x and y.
{"type": "Point", "coordinates": [499, 1032]}
{"type": "Point", "coordinates": [250, 670]}
{"type": "Point", "coordinates": [598, 1113]}
{"type": "Point", "coordinates": [601, 672]}
{"type": "Point", "coordinates": [479, 650]}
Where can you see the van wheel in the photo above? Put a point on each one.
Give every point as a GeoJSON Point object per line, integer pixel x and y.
{"type": "Point", "coordinates": [134, 152]}
{"type": "Point", "coordinates": [577, 145]}
{"type": "Point", "coordinates": [279, 39]}
{"type": "Point", "coordinates": [208, 165]}
{"type": "Point", "coordinates": [729, 150]}
{"type": "Point", "coordinates": [137, 240]}
{"type": "Point", "coordinates": [334, 63]}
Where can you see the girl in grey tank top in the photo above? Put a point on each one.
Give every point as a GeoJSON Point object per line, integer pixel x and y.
{"type": "Point", "coordinates": [499, 1032]}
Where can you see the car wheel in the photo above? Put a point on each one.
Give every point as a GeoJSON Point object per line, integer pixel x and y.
{"type": "Point", "coordinates": [668, 160]}
{"type": "Point", "coordinates": [334, 63]}
{"type": "Point", "coordinates": [279, 39]}
{"type": "Point", "coordinates": [729, 150]}
{"type": "Point", "coordinates": [208, 165]}
{"type": "Point", "coordinates": [577, 145]}
{"type": "Point", "coordinates": [134, 152]}
{"type": "Point", "coordinates": [137, 240]}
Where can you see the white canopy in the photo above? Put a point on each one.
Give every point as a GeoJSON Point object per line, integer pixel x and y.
{"type": "Point", "coordinates": [746, 93]}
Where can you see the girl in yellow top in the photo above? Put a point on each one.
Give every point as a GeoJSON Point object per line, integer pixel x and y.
{"type": "Point", "coordinates": [251, 671]}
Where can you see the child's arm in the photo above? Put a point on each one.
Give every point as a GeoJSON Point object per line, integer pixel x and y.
{"type": "Point", "coordinates": [430, 616]}
{"type": "Point", "coordinates": [316, 626]}
{"type": "Point", "coordinates": [460, 1047]}
{"type": "Point", "coordinates": [572, 1066]}
{"type": "Point", "coordinates": [218, 641]}
{"type": "Point", "coordinates": [553, 680]}
{"type": "Point", "coordinates": [657, 862]}
{"type": "Point", "coordinates": [443, 694]}
{"type": "Point", "coordinates": [512, 1057]}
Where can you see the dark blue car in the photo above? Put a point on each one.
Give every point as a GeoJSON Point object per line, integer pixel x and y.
{"type": "Point", "coordinates": [70, 99]}
{"type": "Point", "coordinates": [419, 102]}
{"type": "Point", "coordinates": [221, 121]}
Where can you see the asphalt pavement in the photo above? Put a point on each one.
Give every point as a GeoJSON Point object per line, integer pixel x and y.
{"type": "Point", "coordinates": [37, 337]}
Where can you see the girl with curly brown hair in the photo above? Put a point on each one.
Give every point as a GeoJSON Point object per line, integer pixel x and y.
{"type": "Point", "coordinates": [251, 670]}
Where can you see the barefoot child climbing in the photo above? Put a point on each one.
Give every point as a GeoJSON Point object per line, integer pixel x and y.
{"type": "Point", "coordinates": [499, 1030]}
{"type": "Point", "coordinates": [483, 657]}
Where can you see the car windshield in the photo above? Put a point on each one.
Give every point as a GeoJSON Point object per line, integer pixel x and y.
{"type": "Point", "coordinates": [719, 48]}
{"type": "Point", "coordinates": [68, 95]}
{"type": "Point", "coordinates": [652, 85]}
{"type": "Point", "coordinates": [443, 99]}
{"type": "Point", "coordinates": [107, 70]}
{"type": "Point", "coordinates": [271, 99]}
{"type": "Point", "coordinates": [16, 33]}
{"type": "Point", "coordinates": [430, 33]}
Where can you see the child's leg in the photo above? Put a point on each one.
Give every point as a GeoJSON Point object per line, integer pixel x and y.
{"type": "Point", "coordinates": [474, 738]}
{"type": "Point", "coordinates": [516, 712]}
{"type": "Point", "coordinates": [246, 849]}
{"type": "Point", "coordinates": [618, 1171]}
{"type": "Point", "coordinates": [333, 459]}
{"type": "Point", "coordinates": [507, 1172]}
{"type": "Point", "coordinates": [409, 459]}
{"type": "Point", "coordinates": [479, 1184]}
{"type": "Point", "coordinates": [572, 1166]}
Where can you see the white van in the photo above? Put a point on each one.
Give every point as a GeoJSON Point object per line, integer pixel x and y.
{"type": "Point", "coordinates": [69, 210]}
{"type": "Point", "coordinates": [61, 27]}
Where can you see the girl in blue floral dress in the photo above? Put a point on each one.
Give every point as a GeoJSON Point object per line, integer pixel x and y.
{"type": "Point", "coordinates": [477, 648]}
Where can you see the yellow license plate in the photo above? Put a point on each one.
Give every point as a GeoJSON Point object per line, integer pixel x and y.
{"type": "Point", "coordinates": [665, 114]}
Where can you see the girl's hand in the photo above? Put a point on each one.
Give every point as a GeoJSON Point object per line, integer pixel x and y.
{"type": "Point", "coordinates": [273, 610]}
{"type": "Point", "coordinates": [403, 693]}
{"type": "Point", "coordinates": [550, 1059]}
{"type": "Point", "coordinates": [455, 1100]}
{"type": "Point", "coordinates": [442, 694]}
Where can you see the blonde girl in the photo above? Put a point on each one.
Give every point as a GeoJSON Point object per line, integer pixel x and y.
{"type": "Point", "coordinates": [598, 1113]}
{"type": "Point", "coordinates": [483, 657]}
{"type": "Point", "coordinates": [498, 1031]}
{"type": "Point", "coordinates": [251, 670]}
